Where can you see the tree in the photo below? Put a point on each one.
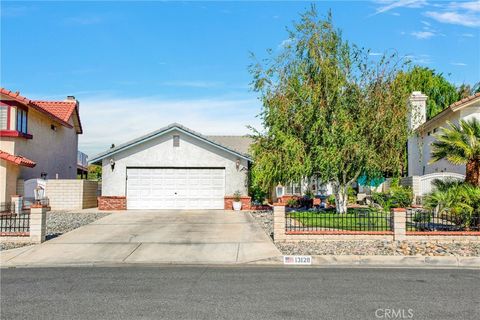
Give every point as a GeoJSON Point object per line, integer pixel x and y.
{"type": "Point", "coordinates": [94, 172]}
{"type": "Point", "coordinates": [441, 93]}
{"type": "Point", "coordinates": [460, 144]}
{"type": "Point", "coordinates": [328, 110]}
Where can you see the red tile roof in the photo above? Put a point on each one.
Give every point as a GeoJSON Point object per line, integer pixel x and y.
{"type": "Point", "coordinates": [60, 109]}
{"type": "Point", "coordinates": [18, 160]}
{"type": "Point", "coordinates": [465, 100]}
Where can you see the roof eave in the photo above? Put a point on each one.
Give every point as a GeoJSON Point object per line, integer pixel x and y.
{"type": "Point", "coordinates": [99, 157]}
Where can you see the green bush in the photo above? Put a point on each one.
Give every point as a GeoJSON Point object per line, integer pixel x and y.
{"type": "Point", "coordinates": [422, 217]}
{"type": "Point", "coordinates": [292, 203]}
{"type": "Point", "coordinates": [396, 197]}
{"type": "Point", "coordinates": [331, 200]}
{"type": "Point", "coordinates": [257, 194]}
{"type": "Point", "coordinates": [352, 195]}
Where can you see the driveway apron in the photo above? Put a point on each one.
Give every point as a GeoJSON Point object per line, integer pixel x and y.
{"type": "Point", "coordinates": [155, 236]}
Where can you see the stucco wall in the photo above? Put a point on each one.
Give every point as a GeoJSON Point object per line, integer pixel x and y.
{"type": "Point", "coordinates": [55, 152]}
{"type": "Point", "coordinates": [159, 152]}
{"type": "Point", "coordinates": [8, 177]}
{"type": "Point", "coordinates": [419, 147]}
{"type": "Point", "coordinates": [71, 194]}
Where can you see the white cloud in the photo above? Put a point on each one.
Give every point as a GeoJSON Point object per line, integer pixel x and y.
{"type": "Point", "coordinates": [459, 64]}
{"type": "Point", "coordinates": [428, 24]}
{"type": "Point", "coordinates": [286, 43]}
{"type": "Point", "coordinates": [375, 54]}
{"type": "Point", "coordinates": [451, 17]}
{"type": "Point", "coordinates": [108, 120]}
{"type": "Point", "coordinates": [468, 35]}
{"type": "Point", "coordinates": [419, 59]}
{"type": "Point", "coordinates": [470, 6]}
{"type": "Point", "coordinates": [422, 34]}
{"type": "Point", "coordinates": [387, 5]}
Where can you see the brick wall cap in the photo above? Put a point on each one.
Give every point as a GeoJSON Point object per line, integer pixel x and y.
{"type": "Point", "coordinates": [37, 206]}
{"type": "Point", "coordinates": [279, 204]}
{"type": "Point", "coordinates": [399, 210]}
{"type": "Point", "coordinates": [112, 197]}
{"type": "Point", "coordinates": [242, 197]}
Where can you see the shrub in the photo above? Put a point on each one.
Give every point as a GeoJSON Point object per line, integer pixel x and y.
{"type": "Point", "coordinates": [331, 200]}
{"type": "Point", "coordinates": [292, 203]}
{"type": "Point", "coordinates": [257, 194]}
{"type": "Point", "coordinates": [352, 195]}
{"type": "Point", "coordinates": [396, 197]}
{"type": "Point", "coordinates": [422, 217]}
{"type": "Point", "coordinates": [237, 196]}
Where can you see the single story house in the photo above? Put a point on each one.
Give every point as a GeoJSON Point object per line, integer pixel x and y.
{"type": "Point", "coordinates": [175, 168]}
{"type": "Point", "coordinates": [38, 140]}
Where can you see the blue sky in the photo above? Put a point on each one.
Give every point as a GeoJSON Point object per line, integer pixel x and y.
{"type": "Point", "coordinates": [137, 66]}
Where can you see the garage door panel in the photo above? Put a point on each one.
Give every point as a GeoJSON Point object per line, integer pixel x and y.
{"type": "Point", "coordinates": [169, 188]}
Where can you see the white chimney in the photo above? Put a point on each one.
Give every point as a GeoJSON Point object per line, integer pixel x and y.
{"type": "Point", "coordinates": [417, 110]}
{"type": "Point", "coordinates": [72, 99]}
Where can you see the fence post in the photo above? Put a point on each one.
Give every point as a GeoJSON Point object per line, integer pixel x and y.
{"type": "Point", "coordinates": [38, 223]}
{"type": "Point", "coordinates": [399, 216]}
{"type": "Point", "coordinates": [279, 222]}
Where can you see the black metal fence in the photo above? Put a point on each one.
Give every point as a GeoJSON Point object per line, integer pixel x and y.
{"type": "Point", "coordinates": [421, 220]}
{"type": "Point", "coordinates": [14, 218]}
{"type": "Point", "coordinates": [329, 221]}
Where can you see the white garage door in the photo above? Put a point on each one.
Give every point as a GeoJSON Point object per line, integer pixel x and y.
{"type": "Point", "coordinates": [175, 188]}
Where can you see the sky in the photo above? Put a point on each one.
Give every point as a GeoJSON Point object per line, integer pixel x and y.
{"type": "Point", "coordinates": [138, 66]}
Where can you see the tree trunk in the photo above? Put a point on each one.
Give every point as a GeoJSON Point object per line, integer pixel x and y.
{"type": "Point", "coordinates": [341, 198]}
{"type": "Point", "coordinates": [473, 173]}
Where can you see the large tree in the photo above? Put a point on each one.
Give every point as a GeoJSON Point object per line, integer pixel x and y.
{"type": "Point", "coordinates": [328, 110]}
{"type": "Point", "coordinates": [441, 93]}
{"type": "Point", "coordinates": [460, 144]}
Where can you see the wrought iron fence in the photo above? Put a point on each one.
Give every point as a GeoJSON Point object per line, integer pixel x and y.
{"type": "Point", "coordinates": [14, 218]}
{"type": "Point", "coordinates": [329, 221]}
{"type": "Point", "coordinates": [422, 220]}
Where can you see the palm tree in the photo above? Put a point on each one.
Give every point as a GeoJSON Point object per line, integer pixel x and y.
{"type": "Point", "coordinates": [460, 144]}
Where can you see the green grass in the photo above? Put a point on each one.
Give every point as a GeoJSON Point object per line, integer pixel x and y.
{"type": "Point", "coordinates": [353, 221]}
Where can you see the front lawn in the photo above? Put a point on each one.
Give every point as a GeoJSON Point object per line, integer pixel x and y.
{"type": "Point", "coordinates": [354, 220]}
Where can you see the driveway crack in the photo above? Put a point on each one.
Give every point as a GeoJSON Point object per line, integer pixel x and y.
{"type": "Point", "coordinates": [131, 252]}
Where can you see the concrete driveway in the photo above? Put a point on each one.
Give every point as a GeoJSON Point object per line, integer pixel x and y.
{"type": "Point", "coordinates": [154, 236]}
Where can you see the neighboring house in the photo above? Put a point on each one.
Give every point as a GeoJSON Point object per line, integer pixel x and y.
{"type": "Point", "coordinates": [421, 171]}
{"type": "Point", "coordinates": [175, 168]}
{"type": "Point", "coordinates": [38, 139]}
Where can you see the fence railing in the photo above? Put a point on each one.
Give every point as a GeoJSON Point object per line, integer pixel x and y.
{"type": "Point", "coordinates": [14, 219]}
{"type": "Point", "coordinates": [328, 221]}
{"type": "Point", "coordinates": [421, 220]}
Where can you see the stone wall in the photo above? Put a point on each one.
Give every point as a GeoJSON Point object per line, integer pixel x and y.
{"type": "Point", "coordinates": [71, 194]}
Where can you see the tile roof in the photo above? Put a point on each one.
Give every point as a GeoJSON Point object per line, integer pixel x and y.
{"type": "Point", "coordinates": [238, 143]}
{"type": "Point", "coordinates": [448, 110]}
{"type": "Point", "coordinates": [465, 100]}
{"type": "Point", "coordinates": [60, 109]}
{"type": "Point", "coordinates": [18, 160]}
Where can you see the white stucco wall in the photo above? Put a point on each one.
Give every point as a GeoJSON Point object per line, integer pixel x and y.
{"type": "Point", "coordinates": [419, 147]}
{"type": "Point", "coordinates": [159, 152]}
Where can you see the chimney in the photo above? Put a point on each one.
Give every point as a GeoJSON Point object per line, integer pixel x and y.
{"type": "Point", "coordinates": [73, 99]}
{"type": "Point", "coordinates": [417, 110]}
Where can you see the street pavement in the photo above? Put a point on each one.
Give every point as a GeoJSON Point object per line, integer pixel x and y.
{"type": "Point", "coordinates": [238, 292]}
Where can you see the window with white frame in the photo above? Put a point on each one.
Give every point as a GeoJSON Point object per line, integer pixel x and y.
{"type": "Point", "coordinates": [3, 117]}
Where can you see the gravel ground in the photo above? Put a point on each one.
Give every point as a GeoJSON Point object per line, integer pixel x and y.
{"type": "Point", "coordinates": [60, 222]}
{"type": "Point", "coordinates": [368, 247]}
{"type": "Point", "coordinates": [265, 220]}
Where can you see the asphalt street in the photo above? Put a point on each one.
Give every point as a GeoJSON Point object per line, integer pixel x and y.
{"type": "Point", "coordinates": [199, 292]}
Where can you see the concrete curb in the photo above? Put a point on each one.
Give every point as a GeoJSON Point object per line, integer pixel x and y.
{"type": "Point", "coordinates": [385, 261]}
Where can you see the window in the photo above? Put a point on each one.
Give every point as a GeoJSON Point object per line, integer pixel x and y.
{"type": "Point", "coordinates": [176, 141]}
{"type": "Point", "coordinates": [21, 120]}
{"type": "Point", "coordinates": [3, 117]}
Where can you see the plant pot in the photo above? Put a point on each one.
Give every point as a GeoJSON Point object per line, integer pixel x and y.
{"type": "Point", "coordinates": [237, 205]}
